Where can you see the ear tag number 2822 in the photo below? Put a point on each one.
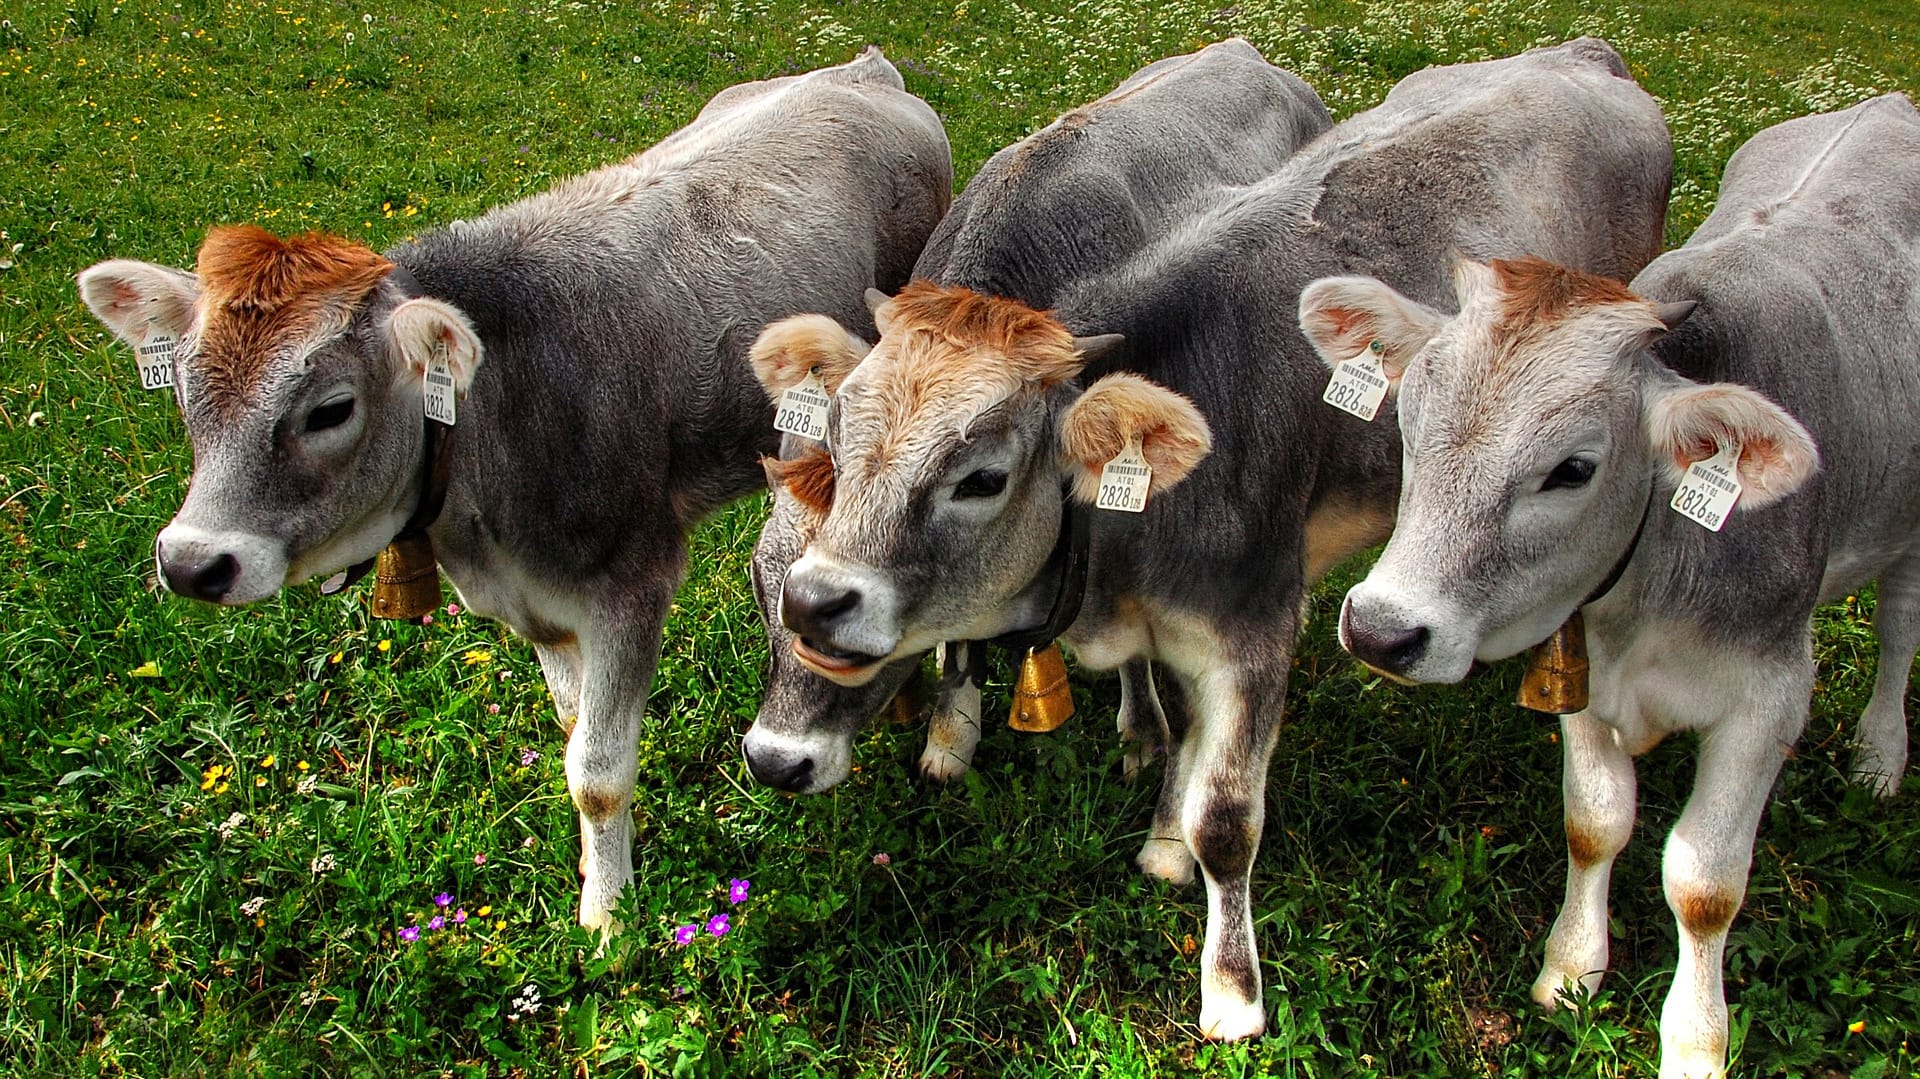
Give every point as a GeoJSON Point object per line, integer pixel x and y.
{"type": "Point", "coordinates": [439, 387]}
{"type": "Point", "coordinates": [155, 356]}
{"type": "Point", "coordinates": [1124, 481]}
{"type": "Point", "coordinates": [1709, 489]}
{"type": "Point", "coordinates": [803, 408]}
{"type": "Point", "coordinates": [1359, 384]}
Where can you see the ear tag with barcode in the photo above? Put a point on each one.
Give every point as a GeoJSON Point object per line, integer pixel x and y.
{"type": "Point", "coordinates": [155, 357]}
{"type": "Point", "coordinates": [803, 408]}
{"type": "Point", "coordinates": [1124, 480]}
{"type": "Point", "coordinates": [1709, 489]}
{"type": "Point", "coordinates": [1359, 384]}
{"type": "Point", "coordinates": [439, 393]}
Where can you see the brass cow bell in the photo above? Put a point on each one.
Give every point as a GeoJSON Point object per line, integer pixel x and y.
{"type": "Point", "coordinates": [406, 579]}
{"type": "Point", "coordinates": [1042, 700]}
{"type": "Point", "coordinates": [1556, 678]}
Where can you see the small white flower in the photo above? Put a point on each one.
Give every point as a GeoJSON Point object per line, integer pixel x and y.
{"type": "Point", "coordinates": [252, 907]}
{"type": "Point", "coordinates": [322, 864]}
{"type": "Point", "coordinates": [226, 827]}
{"type": "Point", "coordinates": [306, 784]}
{"type": "Point", "coordinates": [366, 20]}
{"type": "Point", "coordinates": [528, 1001]}
{"type": "Point", "coordinates": [349, 37]}
{"type": "Point", "coordinates": [309, 998]}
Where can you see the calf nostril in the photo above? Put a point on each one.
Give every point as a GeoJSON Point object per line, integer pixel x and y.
{"type": "Point", "coordinates": [809, 609]}
{"type": "Point", "coordinates": [780, 774]}
{"type": "Point", "coordinates": [1393, 651]}
{"type": "Point", "coordinates": [212, 579]}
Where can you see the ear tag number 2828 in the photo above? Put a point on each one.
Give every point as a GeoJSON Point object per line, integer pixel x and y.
{"type": "Point", "coordinates": [803, 408]}
{"type": "Point", "coordinates": [1359, 384]}
{"type": "Point", "coordinates": [1709, 489]}
{"type": "Point", "coordinates": [1124, 481]}
{"type": "Point", "coordinates": [439, 387]}
{"type": "Point", "coordinates": [155, 356]}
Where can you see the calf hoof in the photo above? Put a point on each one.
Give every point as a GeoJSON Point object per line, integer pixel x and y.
{"type": "Point", "coordinates": [1168, 859]}
{"type": "Point", "coordinates": [1232, 1020]}
{"type": "Point", "coordinates": [1873, 772]}
{"type": "Point", "coordinates": [1559, 990]}
{"type": "Point", "coordinates": [942, 766]}
{"type": "Point", "coordinates": [1692, 1064]}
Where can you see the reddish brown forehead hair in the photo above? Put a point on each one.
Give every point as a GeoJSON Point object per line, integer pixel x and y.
{"type": "Point", "coordinates": [1039, 346]}
{"type": "Point", "coordinates": [808, 478]}
{"type": "Point", "coordinates": [259, 290]}
{"type": "Point", "coordinates": [1537, 293]}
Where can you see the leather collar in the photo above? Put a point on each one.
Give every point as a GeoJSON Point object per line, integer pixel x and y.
{"type": "Point", "coordinates": [1070, 552]}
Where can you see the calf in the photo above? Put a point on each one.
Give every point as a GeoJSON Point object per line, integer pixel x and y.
{"type": "Point", "coordinates": [953, 437]}
{"type": "Point", "coordinates": [1546, 427]}
{"type": "Point", "coordinates": [613, 410]}
{"type": "Point", "coordinates": [1066, 202]}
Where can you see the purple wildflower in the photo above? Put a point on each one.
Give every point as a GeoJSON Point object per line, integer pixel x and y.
{"type": "Point", "coordinates": [443, 900]}
{"type": "Point", "coordinates": [437, 922]}
{"type": "Point", "coordinates": [480, 859]}
{"type": "Point", "coordinates": [528, 756]}
{"type": "Point", "coordinates": [493, 709]}
{"type": "Point", "coordinates": [737, 890]}
{"type": "Point", "coordinates": [459, 917]}
{"type": "Point", "coordinates": [685, 934]}
{"type": "Point", "coordinates": [718, 925]}
{"type": "Point", "coordinates": [409, 933]}
{"type": "Point", "coordinates": [452, 609]}
{"type": "Point", "coordinates": [882, 859]}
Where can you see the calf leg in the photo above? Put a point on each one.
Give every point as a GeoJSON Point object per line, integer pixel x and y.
{"type": "Point", "coordinates": [561, 665]}
{"type": "Point", "coordinates": [1235, 720]}
{"type": "Point", "coordinates": [1705, 867]}
{"type": "Point", "coordinates": [1599, 796]}
{"type": "Point", "coordinates": [619, 653]}
{"type": "Point", "coordinates": [1142, 722]}
{"type": "Point", "coordinates": [953, 732]}
{"type": "Point", "coordinates": [1881, 760]}
{"type": "Point", "coordinates": [1165, 854]}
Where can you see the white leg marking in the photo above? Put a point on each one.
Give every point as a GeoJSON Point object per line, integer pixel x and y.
{"type": "Point", "coordinates": [1598, 787]}
{"type": "Point", "coordinates": [1881, 760]}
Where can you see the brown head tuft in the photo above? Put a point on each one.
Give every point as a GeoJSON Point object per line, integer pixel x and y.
{"type": "Point", "coordinates": [260, 290]}
{"type": "Point", "coordinates": [1039, 347]}
{"type": "Point", "coordinates": [1539, 293]}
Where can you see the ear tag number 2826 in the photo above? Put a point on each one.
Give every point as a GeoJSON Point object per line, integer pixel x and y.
{"type": "Point", "coordinates": [439, 387]}
{"type": "Point", "coordinates": [1709, 489]}
{"type": "Point", "coordinates": [155, 356]}
{"type": "Point", "coordinates": [1124, 481]}
{"type": "Point", "coordinates": [803, 408]}
{"type": "Point", "coordinates": [1359, 384]}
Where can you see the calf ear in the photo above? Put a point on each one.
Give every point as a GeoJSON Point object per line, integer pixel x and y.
{"type": "Point", "coordinates": [1343, 316]}
{"type": "Point", "coordinates": [419, 329]}
{"type": "Point", "coordinates": [785, 351]}
{"type": "Point", "coordinates": [138, 300]}
{"type": "Point", "coordinates": [1689, 422]}
{"type": "Point", "coordinates": [1173, 436]}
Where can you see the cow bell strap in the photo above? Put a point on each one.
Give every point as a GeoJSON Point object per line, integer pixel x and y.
{"type": "Point", "coordinates": [1070, 551]}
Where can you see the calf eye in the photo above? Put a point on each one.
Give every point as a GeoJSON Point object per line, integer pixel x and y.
{"type": "Point", "coordinates": [1571, 473]}
{"type": "Point", "coordinates": [982, 484]}
{"type": "Point", "coordinates": [331, 414]}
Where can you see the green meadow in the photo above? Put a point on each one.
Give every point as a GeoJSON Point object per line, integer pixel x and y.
{"type": "Point", "coordinates": [218, 828]}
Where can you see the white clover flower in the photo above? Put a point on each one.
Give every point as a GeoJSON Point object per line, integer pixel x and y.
{"type": "Point", "coordinates": [252, 907]}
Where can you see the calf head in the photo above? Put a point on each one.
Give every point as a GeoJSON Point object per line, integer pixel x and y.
{"type": "Point", "coordinates": [952, 443]}
{"type": "Point", "coordinates": [1536, 430]}
{"type": "Point", "coordinates": [802, 739]}
{"type": "Point", "coordinates": [298, 369]}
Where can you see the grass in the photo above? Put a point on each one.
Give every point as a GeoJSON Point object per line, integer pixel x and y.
{"type": "Point", "coordinates": [216, 823]}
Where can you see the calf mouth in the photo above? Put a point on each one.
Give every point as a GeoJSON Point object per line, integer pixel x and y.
{"type": "Point", "coordinates": [843, 667]}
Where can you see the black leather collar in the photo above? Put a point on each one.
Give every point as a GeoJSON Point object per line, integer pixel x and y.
{"type": "Point", "coordinates": [1070, 551]}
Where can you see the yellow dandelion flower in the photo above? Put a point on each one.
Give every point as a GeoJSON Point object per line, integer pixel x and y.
{"type": "Point", "coordinates": [221, 789]}
{"type": "Point", "coordinates": [1858, 1026]}
{"type": "Point", "coordinates": [302, 765]}
{"type": "Point", "coordinates": [267, 761]}
{"type": "Point", "coordinates": [259, 781]}
{"type": "Point", "coordinates": [476, 656]}
{"type": "Point", "coordinates": [336, 657]}
{"type": "Point", "coordinates": [486, 910]}
{"type": "Point", "coordinates": [385, 645]}
{"type": "Point", "coordinates": [500, 925]}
